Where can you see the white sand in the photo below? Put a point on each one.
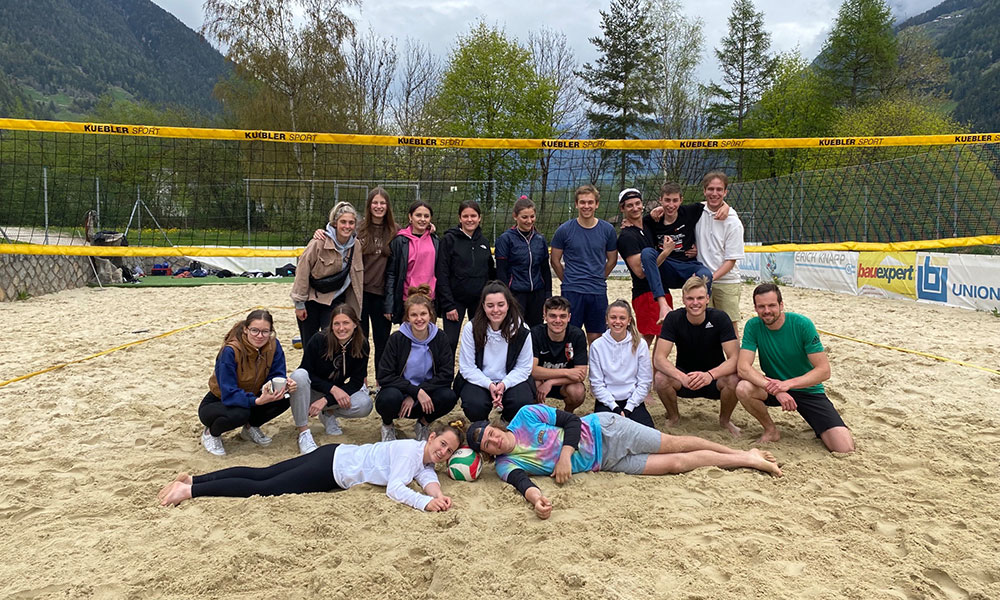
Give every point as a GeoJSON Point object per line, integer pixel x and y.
{"type": "Point", "coordinates": [85, 449]}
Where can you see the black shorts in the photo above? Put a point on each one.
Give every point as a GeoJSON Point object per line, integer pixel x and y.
{"type": "Point", "coordinates": [711, 391]}
{"type": "Point", "coordinates": [816, 409]}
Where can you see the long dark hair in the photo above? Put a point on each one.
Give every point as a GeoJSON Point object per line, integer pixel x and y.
{"type": "Point", "coordinates": [510, 323]}
{"type": "Point", "coordinates": [358, 342]}
{"type": "Point", "coordinates": [368, 229]}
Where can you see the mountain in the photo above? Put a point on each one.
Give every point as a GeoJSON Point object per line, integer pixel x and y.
{"type": "Point", "coordinates": [965, 33]}
{"type": "Point", "coordinates": [65, 54]}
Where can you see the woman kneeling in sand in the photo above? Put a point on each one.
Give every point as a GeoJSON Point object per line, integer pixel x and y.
{"type": "Point", "coordinates": [335, 467]}
{"type": "Point", "coordinates": [542, 440]}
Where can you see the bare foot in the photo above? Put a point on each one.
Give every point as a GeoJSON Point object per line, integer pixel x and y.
{"type": "Point", "coordinates": [763, 461]}
{"type": "Point", "coordinates": [673, 421]}
{"type": "Point", "coordinates": [175, 493]}
{"type": "Point", "coordinates": [181, 477]}
{"type": "Point", "coordinates": [664, 309]}
{"type": "Point", "coordinates": [730, 427]}
{"type": "Point", "coordinates": [770, 436]}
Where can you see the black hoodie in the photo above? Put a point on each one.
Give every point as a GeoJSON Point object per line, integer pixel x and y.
{"type": "Point", "coordinates": [464, 265]}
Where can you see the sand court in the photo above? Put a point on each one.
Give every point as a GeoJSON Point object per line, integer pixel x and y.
{"type": "Point", "coordinates": [84, 449]}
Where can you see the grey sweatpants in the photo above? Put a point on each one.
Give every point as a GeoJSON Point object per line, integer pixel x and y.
{"type": "Point", "coordinates": [304, 395]}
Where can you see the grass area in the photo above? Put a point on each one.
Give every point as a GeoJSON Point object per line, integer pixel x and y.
{"type": "Point", "coordinates": [164, 281]}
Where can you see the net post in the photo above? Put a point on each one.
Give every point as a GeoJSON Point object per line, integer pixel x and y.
{"type": "Point", "coordinates": [45, 198]}
{"type": "Point", "coordinates": [246, 183]}
{"type": "Point", "coordinates": [97, 193]}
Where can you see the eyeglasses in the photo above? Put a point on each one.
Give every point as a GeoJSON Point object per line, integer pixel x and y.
{"type": "Point", "coordinates": [259, 332]}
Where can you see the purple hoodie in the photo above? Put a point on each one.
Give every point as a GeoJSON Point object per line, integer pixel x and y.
{"type": "Point", "coordinates": [420, 363]}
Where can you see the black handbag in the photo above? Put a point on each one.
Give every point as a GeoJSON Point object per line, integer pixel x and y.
{"type": "Point", "coordinates": [333, 283]}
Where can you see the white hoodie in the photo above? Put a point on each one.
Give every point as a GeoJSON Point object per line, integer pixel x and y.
{"type": "Point", "coordinates": [617, 374]}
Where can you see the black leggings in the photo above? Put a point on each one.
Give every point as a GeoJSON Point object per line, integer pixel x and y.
{"type": "Point", "coordinates": [389, 400]}
{"type": "Point", "coordinates": [371, 311]}
{"type": "Point", "coordinates": [220, 418]}
{"type": "Point", "coordinates": [531, 304]}
{"type": "Point", "coordinates": [453, 329]}
{"type": "Point", "coordinates": [303, 474]}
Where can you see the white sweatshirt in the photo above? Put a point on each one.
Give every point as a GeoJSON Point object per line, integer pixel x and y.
{"type": "Point", "coordinates": [392, 464]}
{"type": "Point", "coordinates": [617, 374]}
{"type": "Point", "coordinates": [494, 360]}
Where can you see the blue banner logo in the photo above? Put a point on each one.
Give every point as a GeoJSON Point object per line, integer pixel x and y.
{"type": "Point", "coordinates": [932, 282]}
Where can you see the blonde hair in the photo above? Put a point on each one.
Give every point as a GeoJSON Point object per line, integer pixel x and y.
{"type": "Point", "coordinates": [631, 321]}
{"type": "Point", "coordinates": [340, 209]}
{"type": "Point", "coordinates": [694, 282]}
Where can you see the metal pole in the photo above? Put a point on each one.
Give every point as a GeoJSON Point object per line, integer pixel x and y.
{"type": "Point", "coordinates": [954, 226]}
{"type": "Point", "coordinates": [45, 192]}
{"type": "Point", "coordinates": [138, 214]}
{"type": "Point", "coordinates": [98, 194]}
{"type": "Point", "coordinates": [247, 183]}
{"type": "Point", "coordinates": [753, 219]}
{"type": "Point", "coordinates": [802, 201]}
{"type": "Point", "coordinates": [937, 218]}
{"type": "Point", "coordinates": [866, 212]}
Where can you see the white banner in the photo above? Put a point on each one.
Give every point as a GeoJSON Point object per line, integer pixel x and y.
{"type": "Point", "coordinates": [749, 265]}
{"type": "Point", "coordinates": [834, 271]}
{"type": "Point", "coordinates": [963, 280]}
{"type": "Point", "coordinates": [778, 267]}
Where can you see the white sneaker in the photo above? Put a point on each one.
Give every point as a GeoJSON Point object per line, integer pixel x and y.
{"type": "Point", "coordinates": [331, 424]}
{"type": "Point", "coordinates": [306, 442]}
{"type": "Point", "coordinates": [421, 431]}
{"type": "Point", "coordinates": [255, 435]}
{"type": "Point", "coordinates": [388, 433]}
{"type": "Point", "coordinates": [212, 443]}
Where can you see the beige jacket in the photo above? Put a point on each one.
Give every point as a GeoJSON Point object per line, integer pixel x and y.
{"type": "Point", "coordinates": [322, 259]}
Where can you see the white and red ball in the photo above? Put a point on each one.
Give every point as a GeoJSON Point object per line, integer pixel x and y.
{"type": "Point", "coordinates": [465, 465]}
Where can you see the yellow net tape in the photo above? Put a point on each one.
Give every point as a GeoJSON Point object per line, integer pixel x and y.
{"type": "Point", "coordinates": [907, 351]}
{"type": "Point", "coordinates": [40, 249]}
{"type": "Point", "coordinates": [522, 144]}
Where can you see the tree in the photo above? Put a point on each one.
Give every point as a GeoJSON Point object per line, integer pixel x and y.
{"type": "Point", "coordinates": [860, 52]}
{"type": "Point", "coordinates": [747, 69]}
{"type": "Point", "coordinates": [490, 89]}
{"type": "Point", "coordinates": [920, 71]}
{"type": "Point", "coordinates": [554, 61]}
{"type": "Point", "coordinates": [294, 55]}
{"type": "Point", "coordinates": [619, 85]}
{"type": "Point", "coordinates": [371, 67]}
{"type": "Point", "coordinates": [419, 77]}
{"type": "Point", "coordinates": [678, 100]}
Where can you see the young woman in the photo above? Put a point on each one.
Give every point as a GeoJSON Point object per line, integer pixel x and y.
{"type": "Point", "coordinates": [620, 368]}
{"type": "Point", "coordinates": [464, 265]}
{"type": "Point", "coordinates": [542, 440]}
{"type": "Point", "coordinates": [495, 358]}
{"type": "Point", "coordinates": [250, 357]}
{"type": "Point", "coordinates": [412, 255]}
{"type": "Point", "coordinates": [375, 233]}
{"type": "Point", "coordinates": [336, 467]}
{"type": "Point", "coordinates": [522, 256]}
{"type": "Point", "coordinates": [416, 371]}
{"type": "Point", "coordinates": [331, 378]}
{"type": "Point", "coordinates": [330, 272]}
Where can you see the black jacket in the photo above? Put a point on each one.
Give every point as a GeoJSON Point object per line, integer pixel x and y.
{"type": "Point", "coordinates": [464, 265]}
{"type": "Point", "coordinates": [395, 275]}
{"type": "Point", "coordinates": [345, 371]}
{"type": "Point", "coordinates": [389, 372]}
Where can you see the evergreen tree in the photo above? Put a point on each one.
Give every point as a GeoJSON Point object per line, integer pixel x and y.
{"type": "Point", "coordinates": [860, 52]}
{"type": "Point", "coordinates": [619, 84]}
{"type": "Point", "coordinates": [747, 69]}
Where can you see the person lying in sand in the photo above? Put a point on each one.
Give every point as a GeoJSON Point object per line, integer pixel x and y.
{"type": "Point", "coordinates": [335, 467]}
{"type": "Point", "coordinates": [542, 440]}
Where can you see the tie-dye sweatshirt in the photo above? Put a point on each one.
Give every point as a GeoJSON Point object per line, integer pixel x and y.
{"type": "Point", "coordinates": [540, 441]}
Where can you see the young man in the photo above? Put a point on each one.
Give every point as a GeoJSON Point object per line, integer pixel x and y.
{"type": "Point", "coordinates": [632, 241]}
{"type": "Point", "coordinates": [720, 245]}
{"type": "Point", "coordinates": [707, 350]}
{"type": "Point", "coordinates": [795, 366]}
{"type": "Point", "coordinates": [560, 366]}
{"type": "Point", "coordinates": [583, 253]}
{"type": "Point", "coordinates": [673, 255]}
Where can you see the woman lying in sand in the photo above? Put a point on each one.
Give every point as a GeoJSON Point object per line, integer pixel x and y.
{"type": "Point", "coordinates": [335, 467]}
{"type": "Point", "coordinates": [542, 440]}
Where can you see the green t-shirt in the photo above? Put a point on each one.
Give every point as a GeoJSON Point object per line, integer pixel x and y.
{"type": "Point", "coordinates": [784, 353]}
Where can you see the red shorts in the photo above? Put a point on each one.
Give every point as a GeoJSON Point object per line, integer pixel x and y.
{"type": "Point", "coordinates": [646, 312]}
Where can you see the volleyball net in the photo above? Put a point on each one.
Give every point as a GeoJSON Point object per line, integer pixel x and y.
{"type": "Point", "coordinates": [214, 192]}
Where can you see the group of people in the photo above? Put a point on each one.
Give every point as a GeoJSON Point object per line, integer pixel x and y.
{"type": "Point", "coordinates": [519, 346]}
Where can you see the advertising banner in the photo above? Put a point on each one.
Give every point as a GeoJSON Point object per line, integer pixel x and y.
{"type": "Point", "coordinates": [749, 265]}
{"type": "Point", "coordinates": [887, 274]}
{"type": "Point", "coordinates": [960, 280]}
{"type": "Point", "coordinates": [778, 267]}
{"type": "Point", "coordinates": [834, 271]}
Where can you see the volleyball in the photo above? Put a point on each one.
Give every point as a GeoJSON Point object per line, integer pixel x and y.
{"type": "Point", "coordinates": [297, 342]}
{"type": "Point", "coordinates": [464, 465]}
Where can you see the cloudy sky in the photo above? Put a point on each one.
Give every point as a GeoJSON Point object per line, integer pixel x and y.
{"type": "Point", "coordinates": [803, 24]}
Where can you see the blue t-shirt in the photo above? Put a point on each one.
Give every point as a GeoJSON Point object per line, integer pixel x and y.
{"type": "Point", "coordinates": [585, 252]}
{"type": "Point", "coordinates": [540, 442]}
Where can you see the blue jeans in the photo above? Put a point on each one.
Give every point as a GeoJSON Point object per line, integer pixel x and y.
{"type": "Point", "coordinates": [672, 273]}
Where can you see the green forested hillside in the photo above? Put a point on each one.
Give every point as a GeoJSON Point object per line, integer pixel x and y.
{"type": "Point", "coordinates": [65, 54]}
{"type": "Point", "coordinates": [965, 33]}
